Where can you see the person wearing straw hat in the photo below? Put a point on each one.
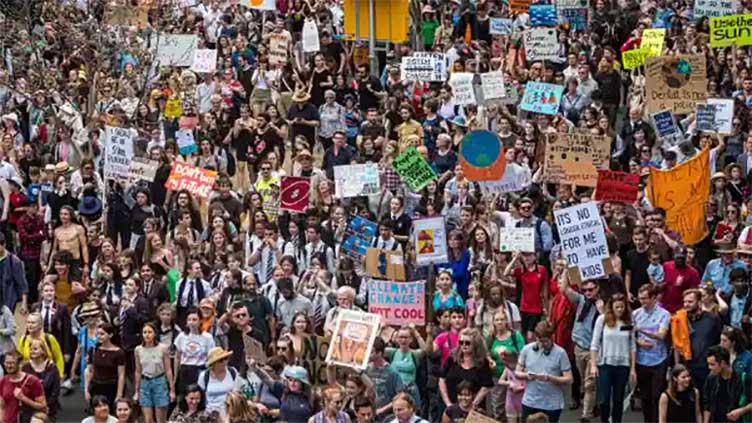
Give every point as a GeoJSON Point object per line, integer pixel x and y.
{"type": "Point", "coordinates": [218, 380]}
{"type": "Point", "coordinates": [303, 117]}
{"type": "Point", "coordinates": [718, 270]}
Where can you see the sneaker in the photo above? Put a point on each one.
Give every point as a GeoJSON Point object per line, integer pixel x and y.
{"type": "Point", "coordinates": [67, 384]}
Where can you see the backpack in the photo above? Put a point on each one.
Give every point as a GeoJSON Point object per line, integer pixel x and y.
{"type": "Point", "coordinates": [207, 374]}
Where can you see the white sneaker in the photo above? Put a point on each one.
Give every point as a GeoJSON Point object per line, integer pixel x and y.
{"type": "Point", "coordinates": [67, 384]}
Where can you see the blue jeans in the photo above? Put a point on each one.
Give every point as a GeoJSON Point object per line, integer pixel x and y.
{"type": "Point", "coordinates": [154, 392]}
{"type": "Point", "coordinates": [553, 415]}
{"type": "Point", "coordinates": [612, 382]}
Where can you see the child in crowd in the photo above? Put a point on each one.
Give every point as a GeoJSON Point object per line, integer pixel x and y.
{"type": "Point", "coordinates": [655, 268]}
{"type": "Point", "coordinates": [515, 387]}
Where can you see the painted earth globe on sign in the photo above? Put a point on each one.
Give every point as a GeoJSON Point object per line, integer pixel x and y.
{"type": "Point", "coordinates": [676, 72]}
{"type": "Point", "coordinates": [483, 151]}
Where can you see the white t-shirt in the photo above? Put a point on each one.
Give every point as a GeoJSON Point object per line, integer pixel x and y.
{"type": "Point", "coordinates": [194, 348]}
{"type": "Point", "coordinates": [216, 391]}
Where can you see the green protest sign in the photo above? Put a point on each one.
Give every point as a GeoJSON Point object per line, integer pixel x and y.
{"type": "Point", "coordinates": [414, 169]}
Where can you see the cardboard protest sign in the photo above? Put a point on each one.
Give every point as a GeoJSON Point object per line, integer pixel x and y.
{"type": "Point", "coordinates": [278, 48]}
{"type": "Point", "coordinates": [573, 12]}
{"type": "Point", "coordinates": [186, 142]}
{"type": "Point", "coordinates": [724, 114]}
{"type": "Point", "coordinates": [712, 8]}
{"type": "Point", "coordinates": [652, 40]}
{"type": "Point", "coordinates": [731, 30]}
{"type": "Point", "coordinates": [492, 84]}
{"type": "Point", "coordinates": [385, 264]}
{"type": "Point", "coordinates": [583, 240]}
{"type": "Point", "coordinates": [634, 58]}
{"type": "Point", "coordinates": [520, 6]}
{"type": "Point", "coordinates": [462, 88]}
{"type": "Point", "coordinates": [500, 26]}
{"type": "Point", "coordinates": [314, 358]}
{"type": "Point", "coordinates": [174, 49]}
{"type": "Point", "coordinates": [262, 4]}
{"type": "Point", "coordinates": [196, 180]}
{"type": "Point", "coordinates": [143, 169]}
{"type": "Point", "coordinates": [398, 303]}
{"type": "Point", "coordinates": [541, 97]}
{"type": "Point", "coordinates": [352, 340]}
{"type": "Point", "coordinates": [118, 153]}
{"type": "Point", "coordinates": [541, 44]}
{"type": "Point", "coordinates": [617, 186]}
{"type": "Point", "coordinates": [424, 67]}
{"type": "Point", "coordinates": [705, 117]}
{"type": "Point", "coordinates": [204, 60]}
{"type": "Point", "coordinates": [514, 180]}
{"type": "Point", "coordinates": [542, 14]}
{"type": "Point", "coordinates": [683, 192]}
{"type": "Point", "coordinates": [664, 123]}
{"type": "Point", "coordinates": [414, 170]}
{"type": "Point", "coordinates": [254, 350]}
{"type": "Point", "coordinates": [481, 155]}
{"type": "Point", "coordinates": [294, 193]}
{"type": "Point", "coordinates": [430, 241]}
{"type": "Point", "coordinates": [675, 83]}
{"type": "Point", "coordinates": [310, 39]}
{"type": "Point", "coordinates": [476, 417]}
{"type": "Point", "coordinates": [356, 180]}
{"type": "Point", "coordinates": [517, 239]}
{"type": "Point", "coordinates": [173, 108]}
{"type": "Point", "coordinates": [576, 158]}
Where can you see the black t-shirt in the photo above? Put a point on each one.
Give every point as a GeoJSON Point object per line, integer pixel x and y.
{"type": "Point", "coordinates": [236, 345]}
{"type": "Point", "coordinates": [307, 112]}
{"type": "Point", "coordinates": [367, 98]}
{"type": "Point", "coordinates": [260, 308]}
{"type": "Point", "coordinates": [334, 50]}
{"type": "Point", "coordinates": [637, 263]}
{"type": "Point", "coordinates": [722, 400]}
{"type": "Point", "coordinates": [453, 373]}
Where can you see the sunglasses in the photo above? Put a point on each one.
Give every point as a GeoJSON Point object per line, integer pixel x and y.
{"type": "Point", "coordinates": [588, 289]}
{"type": "Point", "coordinates": [241, 315]}
{"type": "Point", "coordinates": [466, 343]}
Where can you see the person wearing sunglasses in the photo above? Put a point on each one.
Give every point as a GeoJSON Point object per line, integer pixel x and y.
{"type": "Point", "coordinates": [545, 367]}
{"type": "Point", "coordinates": [468, 362]}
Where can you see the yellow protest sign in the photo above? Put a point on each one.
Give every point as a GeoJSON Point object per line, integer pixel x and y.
{"type": "Point", "coordinates": [675, 83]}
{"type": "Point", "coordinates": [652, 41]}
{"type": "Point", "coordinates": [683, 192]}
{"type": "Point", "coordinates": [634, 58]}
{"type": "Point", "coordinates": [728, 30]}
{"type": "Point", "coordinates": [173, 108]}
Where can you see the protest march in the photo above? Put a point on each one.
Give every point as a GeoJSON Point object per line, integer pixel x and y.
{"type": "Point", "coordinates": [358, 211]}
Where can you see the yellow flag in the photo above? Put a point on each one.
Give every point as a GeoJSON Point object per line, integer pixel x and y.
{"type": "Point", "coordinates": [683, 192]}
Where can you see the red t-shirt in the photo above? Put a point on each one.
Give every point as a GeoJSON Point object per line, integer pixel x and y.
{"type": "Point", "coordinates": [30, 385]}
{"type": "Point", "coordinates": [531, 284]}
{"type": "Point", "coordinates": [672, 294]}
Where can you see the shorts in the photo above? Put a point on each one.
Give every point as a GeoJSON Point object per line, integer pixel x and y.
{"type": "Point", "coordinates": [529, 320]}
{"type": "Point", "coordinates": [154, 392]}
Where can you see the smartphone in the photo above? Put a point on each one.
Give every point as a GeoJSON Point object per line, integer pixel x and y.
{"type": "Point", "coordinates": [627, 327]}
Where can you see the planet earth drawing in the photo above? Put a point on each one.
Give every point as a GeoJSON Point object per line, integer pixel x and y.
{"type": "Point", "coordinates": [480, 148]}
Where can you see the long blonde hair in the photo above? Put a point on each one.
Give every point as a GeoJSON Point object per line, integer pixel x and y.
{"type": "Point", "coordinates": [238, 408]}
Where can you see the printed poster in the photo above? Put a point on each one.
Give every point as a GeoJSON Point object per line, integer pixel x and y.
{"type": "Point", "coordinates": [541, 44]}
{"type": "Point", "coordinates": [664, 123]}
{"type": "Point", "coordinates": [204, 60]}
{"type": "Point", "coordinates": [359, 237]}
{"type": "Point", "coordinates": [583, 240]}
{"type": "Point", "coordinates": [493, 85]}
{"type": "Point", "coordinates": [517, 239]}
{"type": "Point", "coordinates": [462, 88]}
{"type": "Point", "coordinates": [430, 241]}
{"type": "Point", "coordinates": [414, 170]}
{"type": "Point", "coordinates": [576, 158]}
{"type": "Point", "coordinates": [294, 193]}
{"type": "Point", "coordinates": [705, 117]}
{"type": "Point", "coordinates": [118, 153]}
{"type": "Point", "coordinates": [724, 114]}
{"type": "Point", "coordinates": [356, 180]}
{"type": "Point", "coordinates": [398, 303]}
{"type": "Point", "coordinates": [352, 339]}
{"type": "Point", "coordinates": [198, 181]}
{"type": "Point", "coordinates": [424, 67]}
{"type": "Point", "coordinates": [675, 83]}
{"type": "Point", "coordinates": [541, 97]}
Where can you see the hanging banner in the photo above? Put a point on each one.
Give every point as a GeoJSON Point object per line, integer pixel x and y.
{"type": "Point", "coordinates": [143, 169]}
{"type": "Point", "coordinates": [118, 153]}
{"type": "Point", "coordinates": [500, 26]}
{"type": "Point", "coordinates": [424, 67]}
{"type": "Point", "coordinates": [352, 339]}
{"type": "Point", "coordinates": [174, 49]}
{"type": "Point", "coordinates": [583, 241]}
{"type": "Point", "coordinates": [462, 88]}
{"type": "Point", "coordinates": [517, 239]}
{"type": "Point", "coordinates": [683, 192]}
{"type": "Point", "coordinates": [542, 14]}
{"type": "Point", "coordinates": [675, 83]}
{"type": "Point", "coordinates": [204, 60]}
{"type": "Point", "coordinates": [481, 155]}
{"type": "Point", "coordinates": [414, 170]}
{"type": "Point", "coordinates": [493, 85]}
{"type": "Point", "coordinates": [724, 114]}
{"type": "Point", "coordinates": [356, 180]}
{"type": "Point", "coordinates": [398, 303]}
{"type": "Point", "coordinates": [576, 158]}
{"type": "Point", "coordinates": [541, 44]}
{"type": "Point", "coordinates": [310, 37]}
{"type": "Point", "coordinates": [617, 186]}
{"type": "Point", "coordinates": [541, 97]}
{"type": "Point", "coordinates": [430, 241]}
{"type": "Point", "coordinates": [199, 182]}
{"type": "Point", "coordinates": [294, 193]}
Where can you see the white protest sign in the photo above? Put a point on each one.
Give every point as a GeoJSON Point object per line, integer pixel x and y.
{"type": "Point", "coordinates": [711, 8]}
{"type": "Point", "coordinates": [356, 180]}
{"type": "Point", "coordinates": [515, 179]}
{"type": "Point", "coordinates": [174, 49]}
{"type": "Point", "coordinates": [186, 142]}
{"type": "Point", "coordinates": [430, 241]}
{"type": "Point", "coordinates": [583, 241]}
{"type": "Point", "coordinates": [310, 38]}
{"type": "Point", "coordinates": [517, 239]}
{"type": "Point", "coordinates": [262, 4]}
{"type": "Point", "coordinates": [118, 153]}
{"type": "Point", "coordinates": [724, 114]}
{"type": "Point", "coordinates": [493, 85]}
{"type": "Point", "coordinates": [500, 26]}
{"type": "Point", "coordinates": [204, 60]}
{"type": "Point", "coordinates": [424, 67]}
{"type": "Point", "coordinates": [143, 169]}
{"type": "Point", "coordinates": [541, 44]}
{"type": "Point", "coordinates": [462, 88]}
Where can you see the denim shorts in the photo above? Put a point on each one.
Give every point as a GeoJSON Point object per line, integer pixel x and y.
{"type": "Point", "coordinates": [154, 392]}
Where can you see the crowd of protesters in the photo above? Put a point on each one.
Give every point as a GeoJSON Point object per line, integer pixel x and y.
{"type": "Point", "coordinates": [142, 299]}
